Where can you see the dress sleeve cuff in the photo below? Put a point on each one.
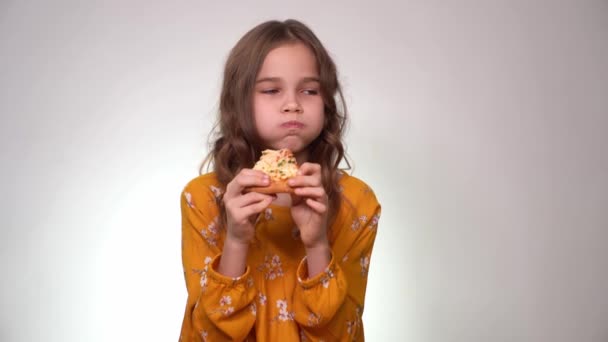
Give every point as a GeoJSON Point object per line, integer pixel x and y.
{"type": "Point", "coordinates": [321, 278]}
{"type": "Point", "coordinates": [222, 279]}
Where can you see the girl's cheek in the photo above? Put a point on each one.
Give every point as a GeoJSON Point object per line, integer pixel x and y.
{"type": "Point", "coordinates": [310, 99]}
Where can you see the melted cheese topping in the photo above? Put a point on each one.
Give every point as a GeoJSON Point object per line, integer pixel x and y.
{"type": "Point", "coordinates": [279, 165]}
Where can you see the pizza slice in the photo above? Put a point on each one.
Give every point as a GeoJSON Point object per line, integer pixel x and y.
{"type": "Point", "coordinates": [280, 165]}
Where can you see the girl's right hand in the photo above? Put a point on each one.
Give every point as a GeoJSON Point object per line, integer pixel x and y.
{"type": "Point", "coordinates": [242, 209]}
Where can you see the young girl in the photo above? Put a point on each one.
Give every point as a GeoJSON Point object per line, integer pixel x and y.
{"type": "Point", "coordinates": [264, 267]}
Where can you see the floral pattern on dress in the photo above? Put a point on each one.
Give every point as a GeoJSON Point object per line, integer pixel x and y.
{"type": "Point", "coordinates": [313, 319]}
{"type": "Point", "coordinates": [268, 214]}
{"type": "Point", "coordinates": [271, 267]}
{"type": "Point", "coordinates": [328, 274]}
{"type": "Point", "coordinates": [203, 274]}
{"type": "Point", "coordinates": [189, 199]}
{"type": "Point", "coordinates": [364, 262]}
{"type": "Point", "coordinates": [284, 314]}
{"type": "Point", "coordinates": [358, 222]}
{"type": "Point", "coordinates": [353, 326]}
{"type": "Point", "coordinates": [363, 219]}
{"type": "Point", "coordinates": [374, 222]}
{"type": "Point", "coordinates": [204, 280]}
{"type": "Point", "coordinates": [217, 192]}
{"type": "Point", "coordinates": [356, 225]}
{"type": "Point", "coordinates": [210, 233]}
{"type": "Point", "coordinates": [225, 306]}
{"type": "Point", "coordinates": [253, 309]}
{"type": "Point", "coordinates": [350, 327]}
{"type": "Point", "coordinates": [262, 299]}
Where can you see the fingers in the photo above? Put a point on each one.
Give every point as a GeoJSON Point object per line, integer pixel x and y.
{"type": "Point", "coordinates": [309, 175]}
{"type": "Point", "coordinates": [246, 178]}
{"type": "Point", "coordinates": [315, 198]}
{"type": "Point", "coordinates": [308, 185]}
{"type": "Point", "coordinates": [313, 192]}
{"type": "Point", "coordinates": [257, 207]}
{"type": "Point", "coordinates": [249, 199]}
{"type": "Point", "coordinates": [310, 168]}
{"type": "Point", "coordinates": [240, 208]}
{"type": "Point", "coordinates": [318, 207]}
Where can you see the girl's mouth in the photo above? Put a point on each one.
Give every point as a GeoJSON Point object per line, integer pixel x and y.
{"type": "Point", "coordinates": [293, 124]}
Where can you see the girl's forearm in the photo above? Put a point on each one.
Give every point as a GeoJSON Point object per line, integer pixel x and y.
{"type": "Point", "coordinates": [233, 261]}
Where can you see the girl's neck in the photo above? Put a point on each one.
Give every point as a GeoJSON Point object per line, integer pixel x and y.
{"type": "Point", "coordinates": [302, 156]}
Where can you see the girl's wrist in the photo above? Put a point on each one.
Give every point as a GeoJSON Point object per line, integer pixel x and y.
{"type": "Point", "coordinates": [321, 245]}
{"type": "Point", "coordinates": [235, 242]}
{"type": "Point", "coordinates": [233, 261]}
{"type": "Point", "coordinates": [318, 258]}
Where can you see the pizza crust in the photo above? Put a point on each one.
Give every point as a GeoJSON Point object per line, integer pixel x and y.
{"type": "Point", "coordinates": [275, 187]}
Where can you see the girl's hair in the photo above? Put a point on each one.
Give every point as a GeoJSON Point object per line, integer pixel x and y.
{"type": "Point", "coordinates": [237, 144]}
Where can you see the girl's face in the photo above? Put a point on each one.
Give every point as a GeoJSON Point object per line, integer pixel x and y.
{"type": "Point", "coordinates": [287, 102]}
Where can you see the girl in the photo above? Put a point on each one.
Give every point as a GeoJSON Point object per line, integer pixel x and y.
{"type": "Point", "coordinates": [268, 267]}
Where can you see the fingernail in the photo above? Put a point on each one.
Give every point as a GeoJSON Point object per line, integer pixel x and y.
{"type": "Point", "coordinates": [291, 182]}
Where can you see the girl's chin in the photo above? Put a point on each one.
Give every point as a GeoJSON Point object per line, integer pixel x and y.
{"type": "Point", "coordinates": [293, 145]}
{"type": "Point", "coordinates": [297, 145]}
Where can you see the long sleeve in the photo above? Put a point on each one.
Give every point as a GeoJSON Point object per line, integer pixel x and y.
{"type": "Point", "coordinates": [218, 308]}
{"type": "Point", "coordinates": [329, 306]}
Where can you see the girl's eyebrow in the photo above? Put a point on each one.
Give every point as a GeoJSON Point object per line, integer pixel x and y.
{"type": "Point", "coordinates": [278, 79]}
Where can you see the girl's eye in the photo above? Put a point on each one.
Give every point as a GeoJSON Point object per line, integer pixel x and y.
{"type": "Point", "coordinates": [276, 91]}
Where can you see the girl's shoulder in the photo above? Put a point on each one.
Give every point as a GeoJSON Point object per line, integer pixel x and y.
{"type": "Point", "coordinates": [355, 190]}
{"type": "Point", "coordinates": [206, 179]}
{"type": "Point", "coordinates": [205, 185]}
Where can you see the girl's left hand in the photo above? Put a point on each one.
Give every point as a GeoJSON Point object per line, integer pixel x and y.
{"type": "Point", "coordinates": [310, 205]}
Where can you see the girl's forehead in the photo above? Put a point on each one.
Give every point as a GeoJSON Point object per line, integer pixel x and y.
{"type": "Point", "coordinates": [289, 61]}
{"type": "Point", "coordinates": [280, 79]}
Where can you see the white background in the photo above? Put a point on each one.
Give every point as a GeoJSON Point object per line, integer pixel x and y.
{"type": "Point", "coordinates": [482, 126]}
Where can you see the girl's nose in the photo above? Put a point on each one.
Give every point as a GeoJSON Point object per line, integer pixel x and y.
{"type": "Point", "coordinates": [291, 106]}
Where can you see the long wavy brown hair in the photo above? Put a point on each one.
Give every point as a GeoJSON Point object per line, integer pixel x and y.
{"type": "Point", "coordinates": [236, 144]}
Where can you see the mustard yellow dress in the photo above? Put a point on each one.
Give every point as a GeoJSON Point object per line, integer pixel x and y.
{"type": "Point", "coordinates": [274, 300]}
